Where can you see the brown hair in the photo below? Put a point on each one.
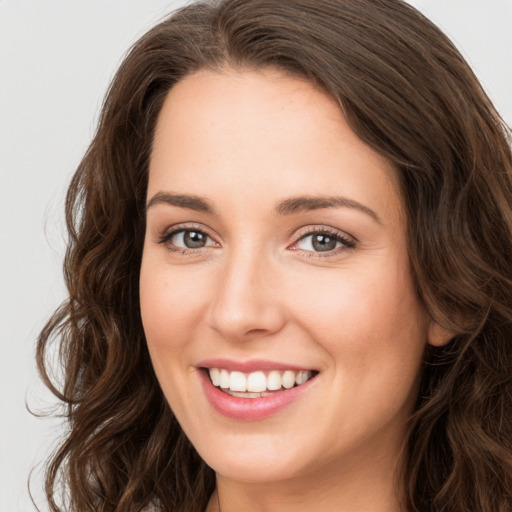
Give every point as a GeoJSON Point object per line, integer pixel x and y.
{"type": "Point", "coordinates": [406, 92]}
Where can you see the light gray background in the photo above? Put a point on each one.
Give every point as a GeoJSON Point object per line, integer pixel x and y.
{"type": "Point", "coordinates": [56, 59]}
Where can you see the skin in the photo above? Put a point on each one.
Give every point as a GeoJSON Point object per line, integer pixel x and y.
{"type": "Point", "coordinates": [245, 141]}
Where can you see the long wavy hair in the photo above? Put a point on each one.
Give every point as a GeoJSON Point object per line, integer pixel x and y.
{"type": "Point", "coordinates": [406, 92]}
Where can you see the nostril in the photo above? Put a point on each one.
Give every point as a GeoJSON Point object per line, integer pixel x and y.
{"type": "Point", "coordinates": [255, 331]}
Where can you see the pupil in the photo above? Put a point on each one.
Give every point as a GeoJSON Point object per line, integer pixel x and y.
{"type": "Point", "coordinates": [324, 243]}
{"type": "Point", "coordinates": [194, 240]}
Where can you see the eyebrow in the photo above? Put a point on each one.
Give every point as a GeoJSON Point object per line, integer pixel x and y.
{"type": "Point", "coordinates": [286, 207]}
{"type": "Point", "coordinates": [197, 203]}
{"type": "Point", "coordinates": [308, 203]}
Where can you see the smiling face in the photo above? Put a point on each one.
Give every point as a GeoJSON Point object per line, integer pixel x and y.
{"type": "Point", "coordinates": [275, 250]}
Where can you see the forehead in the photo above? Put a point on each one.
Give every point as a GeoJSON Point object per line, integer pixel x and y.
{"type": "Point", "coordinates": [259, 133]}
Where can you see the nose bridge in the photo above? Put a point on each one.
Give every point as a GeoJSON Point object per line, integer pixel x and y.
{"type": "Point", "coordinates": [244, 301]}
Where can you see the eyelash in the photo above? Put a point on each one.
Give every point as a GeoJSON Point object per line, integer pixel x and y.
{"type": "Point", "coordinates": [347, 243]}
{"type": "Point", "coordinates": [166, 237]}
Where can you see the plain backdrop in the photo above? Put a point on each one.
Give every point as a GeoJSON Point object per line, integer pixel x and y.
{"type": "Point", "coordinates": [56, 60]}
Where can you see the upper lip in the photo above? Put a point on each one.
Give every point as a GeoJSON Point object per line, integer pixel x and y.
{"type": "Point", "coordinates": [249, 366]}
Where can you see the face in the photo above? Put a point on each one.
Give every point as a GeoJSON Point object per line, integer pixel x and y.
{"type": "Point", "coordinates": [275, 288]}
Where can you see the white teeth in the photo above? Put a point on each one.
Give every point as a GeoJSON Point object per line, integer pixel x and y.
{"type": "Point", "coordinates": [256, 384]}
{"type": "Point", "coordinates": [246, 394]}
{"type": "Point", "coordinates": [237, 381]}
{"type": "Point", "coordinates": [274, 380]}
{"type": "Point", "coordinates": [301, 377]}
{"type": "Point", "coordinates": [288, 379]}
{"type": "Point", "coordinates": [215, 376]}
{"type": "Point", "coordinates": [224, 379]}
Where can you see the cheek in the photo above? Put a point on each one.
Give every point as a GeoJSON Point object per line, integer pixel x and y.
{"type": "Point", "coordinates": [168, 307]}
{"type": "Point", "coordinates": [373, 329]}
{"type": "Point", "coordinates": [169, 310]}
{"type": "Point", "coordinates": [365, 317]}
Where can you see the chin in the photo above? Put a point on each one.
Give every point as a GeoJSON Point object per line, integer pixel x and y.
{"type": "Point", "coordinates": [260, 459]}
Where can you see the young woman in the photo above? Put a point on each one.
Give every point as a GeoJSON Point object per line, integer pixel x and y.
{"type": "Point", "coordinates": [289, 272]}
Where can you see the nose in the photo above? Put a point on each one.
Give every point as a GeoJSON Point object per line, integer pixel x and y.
{"type": "Point", "coordinates": [246, 301]}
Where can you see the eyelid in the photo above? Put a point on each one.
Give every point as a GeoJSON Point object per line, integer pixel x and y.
{"type": "Point", "coordinates": [164, 237]}
{"type": "Point", "coordinates": [348, 241]}
{"type": "Point", "coordinates": [322, 228]}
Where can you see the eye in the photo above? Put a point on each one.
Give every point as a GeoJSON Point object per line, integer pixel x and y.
{"type": "Point", "coordinates": [189, 239]}
{"type": "Point", "coordinates": [186, 239]}
{"type": "Point", "coordinates": [323, 241]}
{"type": "Point", "coordinates": [318, 242]}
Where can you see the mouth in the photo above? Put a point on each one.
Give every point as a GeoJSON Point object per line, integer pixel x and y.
{"type": "Point", "coordinates": [254, 390]}
{"type": "Point", "coordinates": [257, 384]}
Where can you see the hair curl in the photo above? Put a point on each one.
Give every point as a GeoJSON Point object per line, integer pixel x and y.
{"type": "Point", "coordinates": [407, 92]}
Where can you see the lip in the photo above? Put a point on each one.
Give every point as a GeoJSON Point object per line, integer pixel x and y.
{"type": "Point", "coordinates": [250, 409]}
{"type": "Point", "coordinates": [249, 366]}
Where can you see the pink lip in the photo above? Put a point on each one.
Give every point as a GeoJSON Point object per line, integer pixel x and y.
{"type": "Point", "coordinates": [248, 366]}
{"type": "Point", "coordinates": [249, 409]}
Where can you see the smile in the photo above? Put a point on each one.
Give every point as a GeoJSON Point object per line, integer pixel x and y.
{"type": "Point", "coordinates": [257, 384]}
{"type": "Point", "coordinates": [253, 390]}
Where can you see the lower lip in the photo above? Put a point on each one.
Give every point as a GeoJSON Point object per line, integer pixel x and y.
{"type": "Point", "coordinates": [250, 409]}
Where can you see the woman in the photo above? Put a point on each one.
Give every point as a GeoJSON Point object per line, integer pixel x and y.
{"type": "Point", "coordinates": [289, 271]}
